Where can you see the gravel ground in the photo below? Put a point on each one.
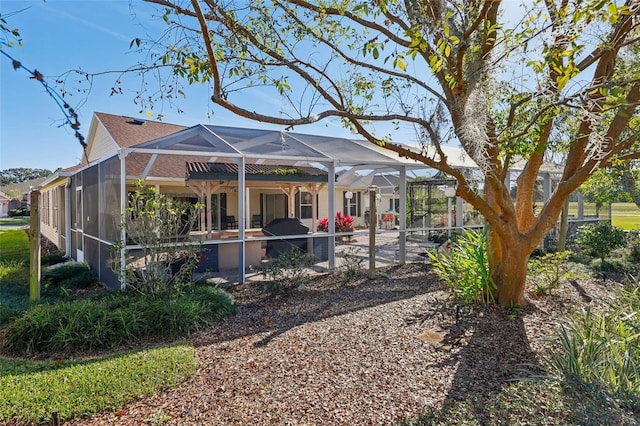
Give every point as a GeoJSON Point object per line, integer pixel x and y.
{"type": "Point", "coordinates": [369, 352]}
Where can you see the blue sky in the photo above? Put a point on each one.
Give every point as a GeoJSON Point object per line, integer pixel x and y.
{"type": "Point", "coordinates": [94, 35]}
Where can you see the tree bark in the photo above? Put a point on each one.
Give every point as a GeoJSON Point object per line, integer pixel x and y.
{"type": "Point", "coordinates": [564, 227]}
{"type": "Point", "coordinates": [509, 275]}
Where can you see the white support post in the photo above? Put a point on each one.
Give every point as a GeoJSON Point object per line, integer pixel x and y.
{"type": "Point", "coordinates": [241, 224]}
{"type": "Point", "coordinates": [332, 216]}
{"type": "Point", "coordinates": [402, 238]}
{"type": "Point", "coordinates": [123, 218]}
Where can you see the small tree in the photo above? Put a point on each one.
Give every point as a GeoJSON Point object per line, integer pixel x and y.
{"type": "Point", "coordinates": [160, 226]}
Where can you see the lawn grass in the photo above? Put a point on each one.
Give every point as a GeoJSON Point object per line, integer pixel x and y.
{"type": "Point", "coordinates": [31, 390]}
{"type": "Point", "coordinates": [12, 222]}
{"type": "Point", "coordinates": [623, 215]}
{"type": "Point", "coordinates": [14, 245]}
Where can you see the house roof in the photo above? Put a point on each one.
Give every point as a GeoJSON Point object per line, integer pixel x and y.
{"type": "Point", "coordinates": [164, 150]}
{"type": "Point", "coordinates": [24, 187]}
{"type": "Point", "coordinates": [255, 172]}
{"type": "Point", "coordinates": [128, 131]}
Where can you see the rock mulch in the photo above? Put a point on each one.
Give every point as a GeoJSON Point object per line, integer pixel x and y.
{"type": "Point", "coordinates": [367, 352]}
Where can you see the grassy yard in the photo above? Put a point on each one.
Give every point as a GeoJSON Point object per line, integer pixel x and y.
{"type": "Point", "coordinates": [14, 245]}
{"type": "Point", "coordinates": [626, 216]}
{"type": "Point", "coordinates": [32, 390]}
{"type": "Point", "coordinates": [623, 215]}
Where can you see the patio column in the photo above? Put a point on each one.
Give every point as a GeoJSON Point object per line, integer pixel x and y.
{"type": "Point", "coordinates": [123, 217]}
{"type": "Point", "coordinates": [290, 191]}
{"type": "Point", "coordinates": [402, 238]}
{"type": "Point", "coordinates": [241, 222]}
{"type": "Point", "coordinates": [332, 214]}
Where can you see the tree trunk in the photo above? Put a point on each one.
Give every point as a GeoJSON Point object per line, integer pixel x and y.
{"type": "Point", "coordinates": [508, 269]}
{"type": "Point", "coordinates": [564, 227]}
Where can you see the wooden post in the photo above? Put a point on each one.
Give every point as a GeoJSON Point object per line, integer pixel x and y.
{"type": "Point", "coordinates": [34, 247]}
{"type": "Point", "coordinates": [372, 232]}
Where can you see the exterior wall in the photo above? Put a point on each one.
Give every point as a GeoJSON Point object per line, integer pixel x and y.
{"type": "Point", "coordinates": [102, 145]}
{"type": "Point", "coordinates": [53, 213]}
{"type": "Point", "coordinates": [4, 208]}
{"type": "Point", "coordinates": [357, 204]}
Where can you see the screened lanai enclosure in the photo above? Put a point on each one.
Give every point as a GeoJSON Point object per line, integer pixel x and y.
{"type": "Point", "coordinates": [262, 191]}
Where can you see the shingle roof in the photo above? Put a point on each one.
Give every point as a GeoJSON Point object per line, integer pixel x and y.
{"type": "Point", "coordinates": [128, 131]}
{"type": "Point", "coordinates": [24, 187]}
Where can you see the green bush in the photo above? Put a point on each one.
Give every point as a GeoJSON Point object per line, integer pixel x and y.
{"type": "Point", "coordinates": [114, 320]}
{"type": "Point", "coordinates": [287, 271]}
{"type": "Point", "coordinates": [70, 276]}
{"type": "Point", "coordinates": [19, 212]}
{"type": "Point", "coordinates": [53, 259]}
{"type": "Point", "coordinates": [465, 268]}
{"type": "Point", "coordinates": [599, 240]}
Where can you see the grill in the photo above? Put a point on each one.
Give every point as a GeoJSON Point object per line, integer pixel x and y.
{"type": "Point", "coordinates": [285, 226]}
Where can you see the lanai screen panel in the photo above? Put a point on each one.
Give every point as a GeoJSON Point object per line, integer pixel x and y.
{"type": "Point", "coordinates": [344, 150]}
{"type": "Point", "coordinates": [109, 211]}
{"type": "Point", "coordinates": [265, 142]}
{"type": "Point", "coordinates": [195, 139]}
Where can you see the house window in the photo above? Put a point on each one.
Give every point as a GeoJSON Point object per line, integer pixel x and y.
{"type": "Point", "coordinates": [394, 205]}
{"type": "Point", "coordinates": [306, 205]}
{"type": "Point", "coordinates": [46, 213]}
{"type": "Point", "coordinates": [54, 208]}
{"type": "Point", "coordinates": [352, 206]}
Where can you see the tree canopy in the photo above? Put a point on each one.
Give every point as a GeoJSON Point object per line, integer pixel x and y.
{"type": "Point", "coordinates": [21, 174]}
{"type": "Point", "coordinates": [550, 81]}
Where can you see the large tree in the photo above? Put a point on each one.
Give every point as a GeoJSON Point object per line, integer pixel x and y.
{"type": "Point", "coordinates": [537, 83]}
{"type": "Point", "coordinates": [21, 174]}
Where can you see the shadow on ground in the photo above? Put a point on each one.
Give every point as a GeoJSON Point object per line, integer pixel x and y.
{"type": "Point", "coordinates": [324, 297]}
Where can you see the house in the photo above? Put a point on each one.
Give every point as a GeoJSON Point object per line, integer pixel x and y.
{"type": "Point", "coordinates": [245, 178]}
{"type": "Point", "coordinates": [4, 204]}
{"type": "Point", "coordinates": [16, 195]}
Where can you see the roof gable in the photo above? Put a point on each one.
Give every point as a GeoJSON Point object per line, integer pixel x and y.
{"type": "Point", "coordinates": [127, 132]}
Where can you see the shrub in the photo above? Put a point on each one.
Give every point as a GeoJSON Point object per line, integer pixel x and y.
{"type": "Point", "coordinates": [343, 223]}
{"type": "Point", "coordinates": [53, 259]}
{"type": "Point", "coordinates": [70, 276]}
{"type": "Point", "coordinates": [465, 267]}
{"type": "Point", "coordinates": [114, 320]}
{"type": "Point", "coordinates": [160, 226]}
{"type": "Point", "coordinates": [547, 272]}
{"type": "Point", "coordinates": [287, 271]}
{"type": "Point", "coordinates": [23, 211]}
{"type": "Point", "coordinates": [350, 265]}
{"type": "Point", "coordinates": [599, 240]}
{"type": "Point", "coordinates": [602, 348]}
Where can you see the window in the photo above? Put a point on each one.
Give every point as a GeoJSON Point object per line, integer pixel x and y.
{"type": "Point", "coordinates": [54, 207]}
{"type": "Point", "coordinates": [306, 205]}
{"type": "Point", "coordinates": [394, 205]}
{"type": "Point", "coordinates": [46, 213]}
{"type": "Point", "coordinates": [352, 206]}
